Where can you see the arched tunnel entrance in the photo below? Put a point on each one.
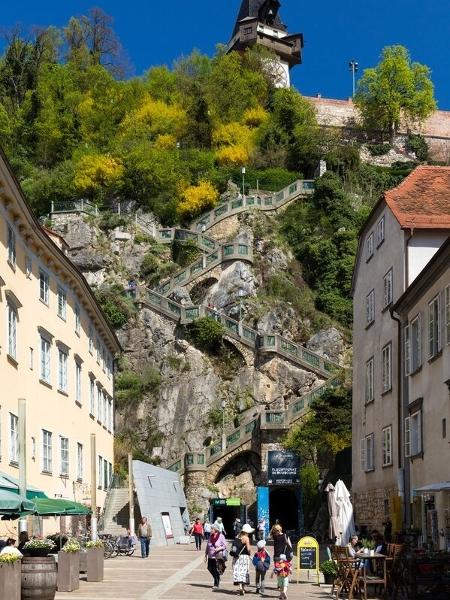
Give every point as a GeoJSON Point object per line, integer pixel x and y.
{"type": "Point", "coordinates": [285, 505]}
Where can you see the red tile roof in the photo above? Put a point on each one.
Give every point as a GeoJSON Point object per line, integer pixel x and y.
{"type": "Point", "coordinates": [422, 200]}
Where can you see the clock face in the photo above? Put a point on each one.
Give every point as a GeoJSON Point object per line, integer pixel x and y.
{"type": "Point", "coordinates": [278, 72]}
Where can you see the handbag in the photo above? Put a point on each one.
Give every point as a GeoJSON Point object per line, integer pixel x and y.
{"type": "Point", "coordinates": [290, 554]}
{"type": "Point", "coordinates": [236, 548]}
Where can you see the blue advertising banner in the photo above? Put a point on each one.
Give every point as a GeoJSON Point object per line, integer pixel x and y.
{"type": "Point", "coordinates": [263, 506]}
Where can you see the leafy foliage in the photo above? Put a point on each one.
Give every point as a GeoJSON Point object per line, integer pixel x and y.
{"type": "Point", "coordinates": [197, 199]}
{"type": "Point", "coordinates": [379, 149]}
{"type": "Point", "coordinates": [206, 333]}
{"type": "Point", "coordinates": [416, 143]}
{"type": "Point", "coordinates": [117, 308]}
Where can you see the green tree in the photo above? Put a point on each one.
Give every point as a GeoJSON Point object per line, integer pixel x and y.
{"type": "Point", "coordinates": [396, 89]}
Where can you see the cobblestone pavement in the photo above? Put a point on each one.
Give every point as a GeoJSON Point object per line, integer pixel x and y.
{"type": "Point", "coordinates": [175, 573]}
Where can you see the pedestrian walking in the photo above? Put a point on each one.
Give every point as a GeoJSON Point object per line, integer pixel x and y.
{"type": "Point", "coordinates": [206, 529]}
{"type": "Point", "coordinates": [145, 537]}
{"type": "Point", "coordinates": [281, 543]}
{"type": "Point", "coordinates": [215, 554]}
{"type": "Point", "coordinates": [197, 532]}
{"type": "Point", "coordinates": [220, 524]}
{"type": "Point", "coordinates": [282, 570]}
{"type": "Point", "coordinates": [261, 529]}
{"type": "Point", "coordinates": [261, 562]}
{"type": "Point", "coordinates": [237, 526]}
{"type": "Point", "coordinates": [240, 552]}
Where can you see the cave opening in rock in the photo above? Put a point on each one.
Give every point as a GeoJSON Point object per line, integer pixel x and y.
{"type": "Point", "coordinates": [284, 506]}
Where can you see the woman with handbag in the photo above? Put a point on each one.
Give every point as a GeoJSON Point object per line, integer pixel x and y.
{"type": "Point", "coordinates": [281, 543]}
{"type": "Point", "coordinates": [241, 551]}
{"type": "Point", "coordinates": [214, 554]}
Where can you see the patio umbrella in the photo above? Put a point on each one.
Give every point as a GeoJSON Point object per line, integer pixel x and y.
{"type": "Point", "coordinates": [345, 512]}
{"type": "Point", "coordinates": [12, 505]}
{"type": "Point", "coordinates": [53, 507]}
{"type": "Point", "coordinates": [335, 533]}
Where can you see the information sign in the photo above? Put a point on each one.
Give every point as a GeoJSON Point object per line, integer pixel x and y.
{"type": "Point", "coordinates": [283, 468]}
{"type": "Point", "coordinates": [307, 556]}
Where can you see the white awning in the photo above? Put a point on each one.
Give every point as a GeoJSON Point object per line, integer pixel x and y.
{"type": "Point", "coordinates": [434, 487]}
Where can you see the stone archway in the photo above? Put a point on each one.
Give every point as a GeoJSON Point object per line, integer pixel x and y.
{"type": "Point", "coordinates": [200, 288]}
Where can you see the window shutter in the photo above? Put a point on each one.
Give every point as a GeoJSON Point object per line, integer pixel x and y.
{"type": "Point", "coordinates": [407, 333]}
{"type": "Point", "coordinates": [370, 452]}
{"type": "Point", "coordinates": [419, 341]}
{"type": "Point", "coordinates": [363, 454]}
{"type": "Point", "coordinates": [419, 432]}
{"type": "Point", "coordinates": [407, 436]}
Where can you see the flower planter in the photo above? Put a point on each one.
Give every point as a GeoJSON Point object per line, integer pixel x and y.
{"type": "Point", "coordinates": [68, 571]}
{"type": "Point", "coordinates": [95, 564]}
{"type": "Point", "coordinates": [328, 579]}
{"type": "Point", "coordinates": [38, 552]}
{"type": "Point", "coordinates": [38, 578]}
{"type": "Point", "coordinates": [10, 580]}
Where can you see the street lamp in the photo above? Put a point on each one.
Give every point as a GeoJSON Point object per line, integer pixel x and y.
{"type": "Point", "coordinates": [224, 439]}
{"type": "Point", "coordinates": [243, 183]}
{"type": "Point", "coordinates": [353, 67]}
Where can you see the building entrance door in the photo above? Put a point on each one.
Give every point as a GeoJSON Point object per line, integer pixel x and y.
{"type": "Point", "coordinates": [284, 505]}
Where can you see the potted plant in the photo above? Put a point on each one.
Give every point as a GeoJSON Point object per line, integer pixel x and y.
{"type": "Point", "coordinates": [329, 570]}
{"type": "Point", "coordinates": [368, 546]}
{"type": "Point", "coordinates": [69, 566]}
{"type": "Point", "coordinates": [95, 560]}
{"type": "Point", "coordinates": [10, 572]}
{"type": "Point", "coordinates": [39, 548]}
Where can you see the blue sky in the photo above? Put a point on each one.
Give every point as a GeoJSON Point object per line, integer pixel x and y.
{"type": "Point", "coordinates": [157, 32]}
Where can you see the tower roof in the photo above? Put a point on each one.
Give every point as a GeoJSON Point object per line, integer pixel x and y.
{"type": "Point", "coordinates": [266, 11]}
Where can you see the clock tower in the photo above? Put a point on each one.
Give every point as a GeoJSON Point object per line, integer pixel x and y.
{"type": "Point", "coordinates": [259, 23]}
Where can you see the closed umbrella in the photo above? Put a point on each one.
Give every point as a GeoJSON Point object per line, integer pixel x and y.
{"type": "Point", "coordinates": [333, 512]}
{"type": "Point", "coordinates": [345, 512]}
{"type": "Point", "coordinates": [12, 505]}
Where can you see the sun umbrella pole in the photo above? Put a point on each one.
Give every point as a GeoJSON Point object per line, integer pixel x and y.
{"type": "Point", "coordinates": [23, 456]}
{"type": "Point", "coordinates": [93, 488]}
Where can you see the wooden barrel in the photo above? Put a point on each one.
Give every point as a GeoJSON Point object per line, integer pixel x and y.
{"type": "Point", "coordinates": [38, 578]}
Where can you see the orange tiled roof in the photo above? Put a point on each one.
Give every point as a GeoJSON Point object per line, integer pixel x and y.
{"type": "Point", "coordinates": [422, 200]}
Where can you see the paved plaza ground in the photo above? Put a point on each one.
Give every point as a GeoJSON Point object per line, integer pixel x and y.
{"type": "Point", "coordinates": [175, 573]}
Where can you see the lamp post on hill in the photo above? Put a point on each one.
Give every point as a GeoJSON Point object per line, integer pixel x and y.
{"type": "Point", "coordinates": [353, 67]}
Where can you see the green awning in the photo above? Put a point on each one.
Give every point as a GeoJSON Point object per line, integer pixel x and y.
{"type": "Point", "coordinates": [11, 484]}
{"type": "Point", "coordinates": [11, 504]}
{"type": "Point", "coordinates": [56, 506]}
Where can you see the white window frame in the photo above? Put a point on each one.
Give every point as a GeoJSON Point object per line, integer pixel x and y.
{"type": "Point", "coordinates": [413, 434]}
{"type": "Point", "coordinates": [368, 453]}
{"type": "Point", "coordinates": [91, 340]}
{"type": "Point", "coordinates": [92, 397]}
{"type": "Point", "coordinates": [100, 472]}
{"type": "Point", "coordinates": [12, 320]}
{"type": "Point", "coordinates": [78, 381]}
{"type": "Point", "coordinates": [387, 446]}
{"type": "Point", "coordinates": [111, 415]}
{"type": "Point", "coordinates": [447, 313]}
{"type": "Point", "coordinates": [45, 359]}
{"type": "Point", "coordinates": [98, 350]}
{"type": "Point", "coordinates": [64, 456]}
{"type": "Point", "coordinates": [434, 326]}
{"type": "Point", "coordinates": [31, 358]}
{"type": "Point", "coordinates": [388, 288]}
{"type": "Point", "coordinates": [380, 231]}
{"type": "Point", "coordinates": [77, 319]}
{"type": "Point", "coordinates": [63, 358]}
{"type": "Point", "coordinates": [79, 462]}
{"type": "Point", "coordinates": [13, 439]}
{"type": "Point", "coordinates": [44, 286]}
{"type": "Point", "coordinates": [369, 247]}
{"type": "Point", "coordinates": [99, 404]}
{"type": "Point", "coordinates": [47, 451]}
{"type": "Point", "coordinates": [416, 343]}
{"type": "Point", "coordinates": [12, 253]}
{"type": "Point", "coordinates": [370, 307]}
{"type": "Point", "coordinates": [386, 370]}
{"type": "Point", "coordinates": [62, 303]}
{"type": "Point", "coordinates": [28, 266]}
{"type": "Point", "coordinates": [407, 348]}
{"type": "Point", "coordinates": [369, 392]}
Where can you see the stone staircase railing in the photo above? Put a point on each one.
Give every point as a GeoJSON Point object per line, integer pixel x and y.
{"type": "Point", "coordinates": [279, 420]}
{"type": "Point", "coordinates": [299, 188]}
{"type": "Point", "coordinates": [171, 234]}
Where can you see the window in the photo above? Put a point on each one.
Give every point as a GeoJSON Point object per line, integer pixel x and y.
{"type": "Point", "coordinates": [43, 286]}
{"type": "Point", "coordinates": [91, 396]}
{"type": "Point", "coordinates": [105, 475]}
{"type": "Point", "coordinates": [100, 473]}
{"type": "Point", "coordinates": [64, 448]}
{"type": "Point", "coordinates": [12, 330]}
{"type": "Point", "coordinates": [413, 434]}
{"type": "Point", "coordinates": [380, 232]}
{"type": "Point", "coordinates": [47, 465]}
{"type": "Point", "coordinates": [62, 370]}
{"type": "Point", "coordinates": [111, 415]}
{"type": "Point", "coordinates": [91, 340]}
{"type": "Point", "coordinates": [99, 404]}
{"type": "Point", "coordinates": [413, 346]}
{"type": "Point", "coordinates": [110, 474]}
{"type": "Point", "coordinates": [387, 367]}
{"type": "Point", "coordinates": [97, 346]}
{"type": "Point", "coordinates": [369, 381]}
{"type": "Point", "coordinates": [369, 247]}
{"type": "Point", "coordinates": [79, 462]}
{"type": "Point", "coordinates": [388, 289]}
{"type": "Point", "coordinates": [62, 303]}
{"type": "Point", "coordinates": [77, 382]}
{"type": "Point", "coordinates": [248, 30]}
{"type": "Point", "coordinates": [77, 319]}
{"type": "Point", "coordinates": [13, 438]}
{"type": "Point", "coordinates": [387, 446]}
{"type": "Point", "coordinates": [367, 453]}
{"type": "Point", "coordinates": [11, 246]}
{"type": "Point", "coordinates": [28, 267]}
{"type": "Point", "coordinates": [370, 307]}
{"type": "Point", "coordinates": [434, 341]}
{"type": "Point", "coordinates": [45, 360]}
{"type": "Point", "coordinates": [447, 313]}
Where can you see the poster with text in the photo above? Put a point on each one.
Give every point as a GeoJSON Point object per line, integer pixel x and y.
{"type": "Point", "coordinates": [283, 468]}
{"type": "Point", "coordinates": [167, 525]}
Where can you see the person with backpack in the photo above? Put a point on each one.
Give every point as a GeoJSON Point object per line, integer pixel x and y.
{"type": "Point", "coordinates": [197, 532]}
{"type": "Point", "coordinates": [261, 562]}
{"type": "Point", "coordinates": [282, 570]}
{"type": "Point", "coordinates": [240, 551]}
{"type": "Point", "coordinates": [215, 554]}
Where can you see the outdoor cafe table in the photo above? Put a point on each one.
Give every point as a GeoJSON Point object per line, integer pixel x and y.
{"type": "Point", "coordinates": [367, 579]}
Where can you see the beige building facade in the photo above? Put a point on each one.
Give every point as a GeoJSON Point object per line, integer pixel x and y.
{"type": "Point", "coordinates": [56, 352]}
{"type": "Point", "coordinates": [405, 229]}
{"type": "Point", "coordinates": [424, 310]}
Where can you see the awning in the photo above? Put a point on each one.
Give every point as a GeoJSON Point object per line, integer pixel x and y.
{"type": "Point", "coordinates": [10, 483]}
{"type": "Point", "coordinates": [52, 507]}
{"type": "Point", "coordinates": [443, 486]}
{"type": "Point", "coordinates": [12, 505]}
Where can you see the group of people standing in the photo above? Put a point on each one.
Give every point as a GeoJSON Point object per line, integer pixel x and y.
{"type": "Point", "coordinates": [216, 556]}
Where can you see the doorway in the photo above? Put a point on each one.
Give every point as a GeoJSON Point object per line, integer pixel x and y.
{"type": "Point", "coordinates": [284, 506]}
{"type": "Point", "coordinates": [228, 515]}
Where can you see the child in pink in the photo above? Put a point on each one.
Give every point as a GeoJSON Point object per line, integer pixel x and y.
{"type": "Point", "coordinates": [282, 570]}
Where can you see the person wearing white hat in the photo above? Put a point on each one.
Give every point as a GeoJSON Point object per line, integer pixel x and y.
{"type": "Point", "coordinates": [241, 551]}
{"type": "Point", "coordinates": [261, 562]}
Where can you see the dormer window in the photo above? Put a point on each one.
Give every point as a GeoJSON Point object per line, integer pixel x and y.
{"type": "Point", "coordinates": [369, 247]}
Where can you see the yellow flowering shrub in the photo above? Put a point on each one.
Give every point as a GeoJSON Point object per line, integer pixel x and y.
{"type": "Point", "coordinates": [232, 155]}
{"type": "Point", "coordinates": [95, 172]}
{"type": "Point", "coordinates": [254, 117]}
{"type": "Point", "coordinates": [197, 199]}
{"type": "Point", "coordinates": [166, 141]}
{"type": "Point", "coordinates": [231, 134]}
{"type": "Point", "coordinates": [153, 118]}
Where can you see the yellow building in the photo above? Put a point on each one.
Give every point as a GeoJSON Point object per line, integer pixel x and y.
{"type": "Point", "coordinates": [56, 352]}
